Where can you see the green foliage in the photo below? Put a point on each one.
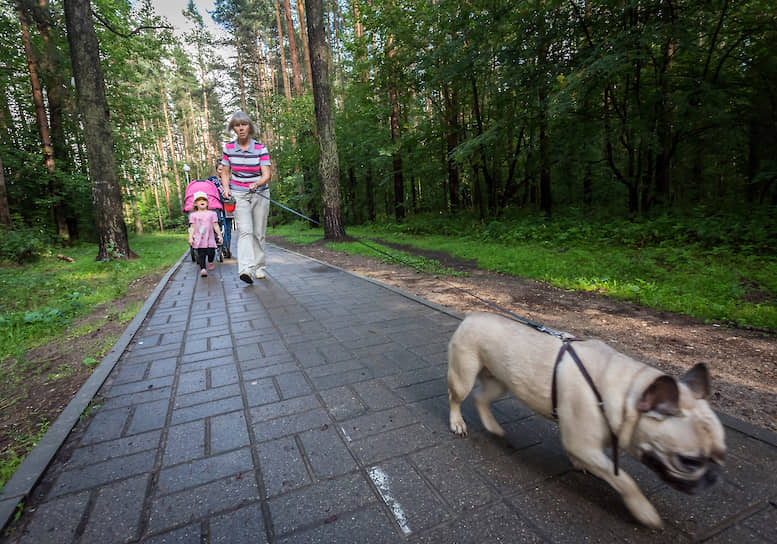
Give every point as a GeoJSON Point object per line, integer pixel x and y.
{"type": "Point", "coordinates": [23, 245]}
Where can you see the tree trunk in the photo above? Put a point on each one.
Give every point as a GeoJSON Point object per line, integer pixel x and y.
{"type": "Point", "coordinates": [452, 142]}
{"type": "Point", "coordinates": [296, 76]}
{"type": "Point", "coordinates": [171, 144]}
{"type": "Point", "coordinates": [243, 103]}
{"type": "Point", "coordinates": [286, 88]}
{"type": "Point", "coordinates": [208, 146]}
{"type": "Point", "coordinates": [304, 36]}
{"type": "Point", "coordinates": [93, 109]}
{"type": "Point", "coordinates": [329, 166]}
{"type": "Point", "coordinates": [399, 183]}
{"type": "Point", "coordinates": [5, 211]}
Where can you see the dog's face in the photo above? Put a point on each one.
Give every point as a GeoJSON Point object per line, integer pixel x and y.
{"type": "Point", "coordinates": [678, 435]}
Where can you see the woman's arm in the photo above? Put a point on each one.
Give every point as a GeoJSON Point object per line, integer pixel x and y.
{"type": "Point", "coordinates": [264, 180]}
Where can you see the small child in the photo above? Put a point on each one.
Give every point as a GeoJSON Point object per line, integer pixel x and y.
{"type": "Point", "coordinates": [202, 225]}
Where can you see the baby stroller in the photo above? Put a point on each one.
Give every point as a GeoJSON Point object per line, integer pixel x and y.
{"type": "Point", "coordinates": [214, 203]}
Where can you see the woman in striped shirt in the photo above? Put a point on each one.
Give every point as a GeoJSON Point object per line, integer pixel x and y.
{"type": "Point", "coordinates": [246, 176]}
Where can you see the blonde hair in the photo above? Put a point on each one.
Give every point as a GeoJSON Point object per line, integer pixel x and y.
{"type": "Point", "coordinates": [240, 117]}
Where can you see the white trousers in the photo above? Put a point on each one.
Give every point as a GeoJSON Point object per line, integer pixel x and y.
{"type": "Point", "coordinates": [251, 211]}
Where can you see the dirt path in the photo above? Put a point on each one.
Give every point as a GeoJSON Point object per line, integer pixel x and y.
{"type": "Point", "coordinates": [743, 363]}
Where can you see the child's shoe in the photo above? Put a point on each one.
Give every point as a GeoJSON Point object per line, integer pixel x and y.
{"type": "Point", "coordinates": [211, 266]}
{"type": "Point", "coordinates": [203, 273]}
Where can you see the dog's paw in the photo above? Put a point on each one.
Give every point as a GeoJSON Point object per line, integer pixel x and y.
{"type": "Point", "coordinates": [459, 428]}
{"type": "Point", "coordinates": [646, 514]}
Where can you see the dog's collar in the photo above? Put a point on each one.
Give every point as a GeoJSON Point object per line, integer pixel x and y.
{"type": "Point", "coordinates": [566, 346]}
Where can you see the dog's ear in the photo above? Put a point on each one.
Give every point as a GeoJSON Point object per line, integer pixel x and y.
{"type": "Point", "coordinates": [661, 396]}
{"type": "Point", "coordinates": [698, 381]}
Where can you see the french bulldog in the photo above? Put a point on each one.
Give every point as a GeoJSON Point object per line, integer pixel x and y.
{"type": "Point", "coordinates": [665, 423]}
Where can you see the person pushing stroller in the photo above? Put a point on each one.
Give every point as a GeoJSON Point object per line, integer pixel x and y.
{"type": "Point", "coordinates": [203, 224]}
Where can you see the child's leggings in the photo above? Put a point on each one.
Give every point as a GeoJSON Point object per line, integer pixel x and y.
{"type": "Point", "coordinates": [202, 252]}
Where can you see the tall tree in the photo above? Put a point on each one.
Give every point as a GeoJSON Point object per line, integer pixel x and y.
{"type": "Point", "coordinates": [329, 166]}
{"type": "Point", "coordinates": [93, 109]}
{"type": "Point", "coordinates": [293, 54]}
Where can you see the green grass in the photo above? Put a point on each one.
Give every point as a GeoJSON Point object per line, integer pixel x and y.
{"type": "Point", "coordinates": [40, 300]}
{"type": "Point", "coordinates": [725, 283]}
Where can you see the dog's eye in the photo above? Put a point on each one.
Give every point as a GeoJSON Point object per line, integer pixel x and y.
{"type": "Point", "coordinates": [691, 463]}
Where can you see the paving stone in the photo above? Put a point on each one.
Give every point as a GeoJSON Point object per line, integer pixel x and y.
{"type": "Point", "coordinates": [283, 468]}
{"type": "Point", "coordinates": [286, 425]}
{"type": "Point", "coordinates": [184, 443]}
{"type": "Point", "coordinates": [308, 357]}
{"type": "Point", "coordinates": [149, 416]}
{"type": "Point", "coordinates": [380, 422]}
{"type": "Point", "coordinates": [454, 478]}
{"type": "Point", "coordinates": [694, 514]}
{"type": "Point", "coordinates": [319, 502]}
{"type": "Point", "coordinates": [201, 471]}
{"type": "Point", "coordinates": [578, 505]}
{"type": "Point", "coordinates": [376, 395]}
{"type": "Point", "coordinates": [327, 453]}
{"type": "Point", "coordinates": [243, 526]}
{"type": "Point", "coordinates": [764, 522]}
{"type": "Point", "coordinates": [423, 391]}
{"type": "Point", "coordinates": [106, 425]}
{"type": "Point", "coordinates": [203, 359]}
{"type": "Point", "coordinates": [191, 534]}
{"type": "Point", "coordinates": [207, 409]}
{"type": "Point", "coordinates": [103, 473]}
{"type": "Point", "coordinates": [407, 496]}
{"type": "Point", "coordinates": [191, 504]}
{"type": "Point", "coordinates": [492, 523]}
{"type": "Point", "coordinates": [334, 353]}
{"type": "Point", "coordinates": [116, 514]}
{"type": "Point", "coordinates": [260, 391]}
{"type": "Point", "coordinates": [223, 375]}
{"type": "Point", "coordinates": [343, 378]}
{"type": "Point", "coordinates": [228, 432]}
{"type": "Point", "coordinates": [284, 408]}
{"type": "Point", "coordinates": [130, 372]}
{"type": "Point", "coordinates": [367, 525]}
{"type": "Point", "coordinates": [208, 395]}
{"type": "Point", "coordinates": [56, 521]}
{"type": "Point", "coordinates": [293, 384]}
{"type": "Point", "coordinates": [95, 453]}
{"type": "Point", "coordinates": [149, 395]}
{"type": "Point", "coordinates": [189, 382]}
{"type": "Point", "coordinates": [392, 443]}
{"type": "Point", "coordinates": [223, 341]}
{"type": "Point", "coordinates": [342, 403]}
{"type": "Point", "coordinates": [420, 375]}
{"type": "Point", "coordinates": [210, 362]}
{"type": "Point", "coordinates": [267, 368]}
{"type": "Point", "coordinates": [139, 387]}
{"type": "Point", "coordinates": [736, 535]}
{"type": "Point", "coordinates": [163, 367]}
{"type": "Point", "coordinates": [249, 352]}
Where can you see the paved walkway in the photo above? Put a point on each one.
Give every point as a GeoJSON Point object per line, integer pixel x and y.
{"type": "Point", "coordinates": [312, 407]}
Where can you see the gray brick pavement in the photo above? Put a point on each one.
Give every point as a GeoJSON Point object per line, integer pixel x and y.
{"type": "Point", "coordinates": [312, 407]}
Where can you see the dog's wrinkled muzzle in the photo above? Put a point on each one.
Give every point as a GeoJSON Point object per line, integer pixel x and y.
{"type": "Point", "coordinates": [689, 475]}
